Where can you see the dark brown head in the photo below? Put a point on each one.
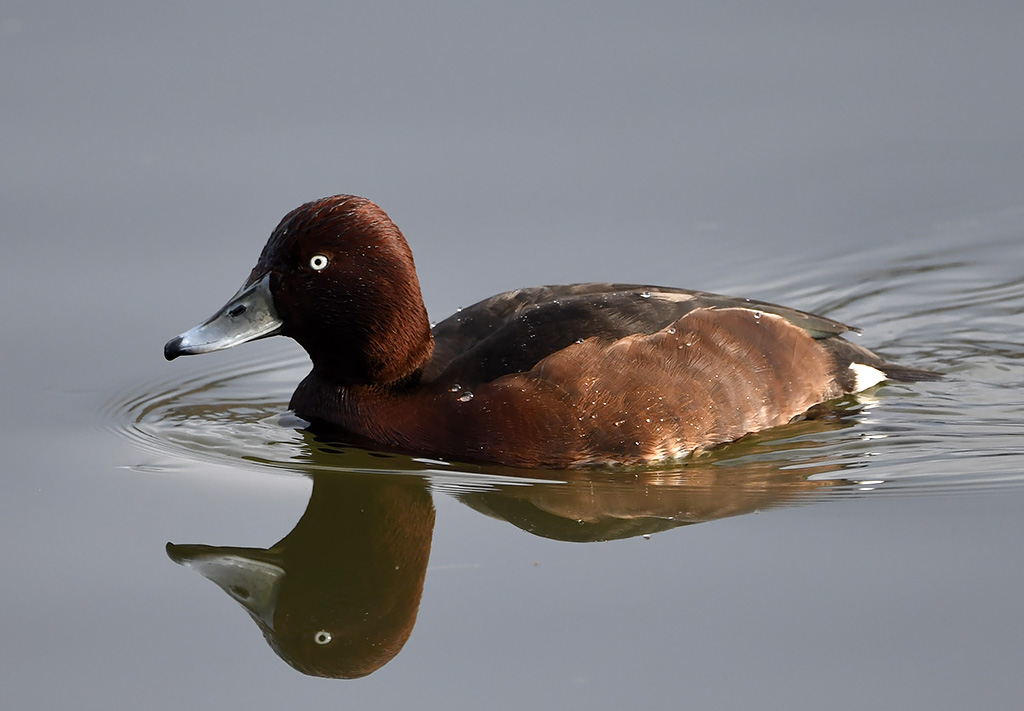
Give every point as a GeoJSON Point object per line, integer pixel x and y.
{"type": "Point", "coordinates": [339, 278]}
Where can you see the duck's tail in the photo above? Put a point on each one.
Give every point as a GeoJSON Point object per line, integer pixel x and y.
{"type": "Point", "coordinates": [905, 374]}
{"type": "Point", "coordinates": [857, 368]}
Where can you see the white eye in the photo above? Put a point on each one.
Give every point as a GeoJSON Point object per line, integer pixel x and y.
{"type": "Point", "coordinates": [323, 637]}
{"type": "Point", "coordinates": [319, 262]}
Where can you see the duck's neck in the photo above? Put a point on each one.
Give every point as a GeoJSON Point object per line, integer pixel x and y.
{"type": "Point", "coordinates": [359, 410]}
{"type": "Point", "coordinates": [383, 344]}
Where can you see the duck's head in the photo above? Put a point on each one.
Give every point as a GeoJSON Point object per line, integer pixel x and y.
{"type": "Point", "coordinates": [338, 277]}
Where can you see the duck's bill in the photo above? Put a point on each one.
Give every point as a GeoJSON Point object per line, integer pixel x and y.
{"type": "Point", "coordinates": [250, 314]}
{"type": "Point", "coordinates": [251, 576]}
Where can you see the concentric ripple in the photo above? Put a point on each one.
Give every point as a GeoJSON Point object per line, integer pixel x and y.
{"type": "Point", "coordinates": [233, 413]}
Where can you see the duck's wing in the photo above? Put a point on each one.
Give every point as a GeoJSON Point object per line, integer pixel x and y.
{"type": "Point", "coordinates": [511, 332]}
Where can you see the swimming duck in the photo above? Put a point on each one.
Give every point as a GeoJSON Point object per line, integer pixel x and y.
{"type": "Point", "coordinates": [545, 377]}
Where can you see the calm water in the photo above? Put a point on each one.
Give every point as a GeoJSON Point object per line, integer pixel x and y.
{"type": "Point", "coordinates": [864, 165]}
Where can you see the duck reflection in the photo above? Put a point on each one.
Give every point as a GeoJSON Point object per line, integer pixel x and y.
{"type": "Point", "coordinates": [586, 509]}
{"type": "Point", "coordinates": [338, 596]}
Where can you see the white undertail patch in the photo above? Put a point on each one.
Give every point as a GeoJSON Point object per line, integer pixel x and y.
{"type": "Point", "coordinates": [864, 376]}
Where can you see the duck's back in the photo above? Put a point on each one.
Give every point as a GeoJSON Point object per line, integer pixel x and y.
{"type": "Point", "coordinates": [511, 332]}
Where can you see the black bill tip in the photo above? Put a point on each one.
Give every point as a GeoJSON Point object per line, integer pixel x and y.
{"type": "Point", "coordinates": [173, 348]}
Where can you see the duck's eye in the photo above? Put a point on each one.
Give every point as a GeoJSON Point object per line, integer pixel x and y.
{"type": "Point", "coordinates": [323, 637]}
{"type": "Point", "coordinates": [319, 262]}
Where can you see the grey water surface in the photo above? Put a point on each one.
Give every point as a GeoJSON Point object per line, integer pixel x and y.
{"type": "Point", "coordinates": [866, 163]}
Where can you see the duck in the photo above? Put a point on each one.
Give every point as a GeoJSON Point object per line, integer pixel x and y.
{"type": "Point", "coordinates": [548, 377]}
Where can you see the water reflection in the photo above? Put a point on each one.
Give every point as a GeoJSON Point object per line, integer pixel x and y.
{"type": "Point", "coordinates": [338, 596]}
{"type": "Point", "coordinates": [602, 507]}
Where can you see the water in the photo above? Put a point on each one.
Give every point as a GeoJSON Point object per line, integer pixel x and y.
{"type": "Point", "coordinates": [862, 163]}
{"type": "Point", "coordinates": [956, 308]}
